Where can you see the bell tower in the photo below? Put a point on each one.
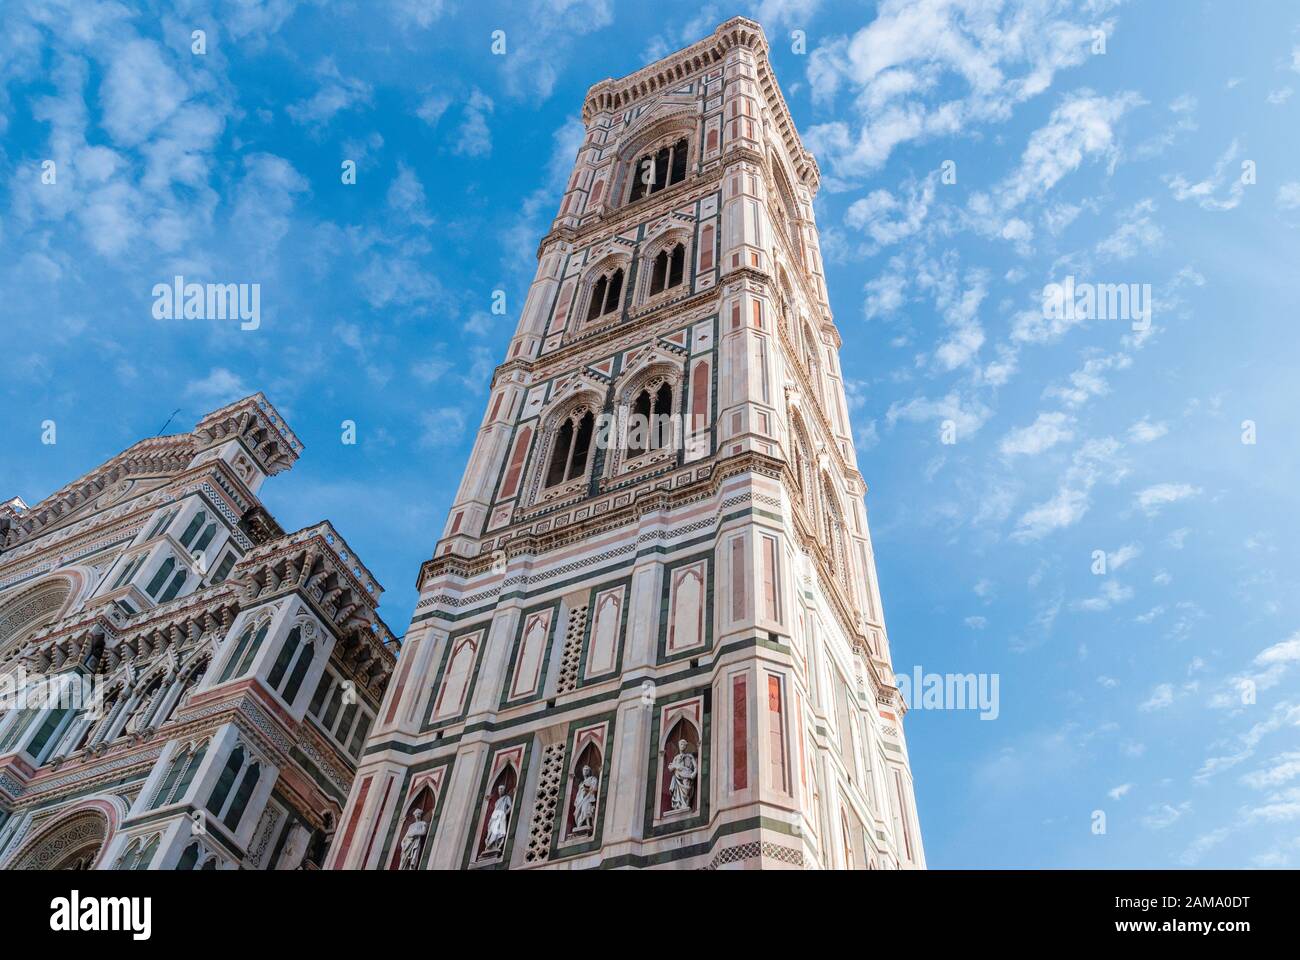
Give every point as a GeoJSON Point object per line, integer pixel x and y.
{"type": "Point", "coordinates": [651, 634]}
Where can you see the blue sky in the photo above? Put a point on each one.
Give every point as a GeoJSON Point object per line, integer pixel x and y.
{"type": "Point", "coordinates": [1119, 693]}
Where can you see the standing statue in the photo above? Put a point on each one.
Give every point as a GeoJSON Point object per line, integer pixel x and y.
{"type": "Point", "coordinates": [682, 785]}
{"type": "Point", "coordinates": [295, 848]}
{"type": "Point", "coordinates": [584, 801]}
{"type": "Point", "coordinates": [499, 824]}
{"type": "Point", "coordinates": [413, 842]}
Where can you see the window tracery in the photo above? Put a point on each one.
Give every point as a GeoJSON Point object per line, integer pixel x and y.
{"type": "Point", "coordinates": [659, 169]}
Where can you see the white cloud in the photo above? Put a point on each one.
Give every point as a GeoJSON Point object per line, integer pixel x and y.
{"type": "Point", "coordinates": [1281, 769]}
{"type": "Point", "coordinates": [993, 58]}
{"type": "Point", "coordinates": [1043, 434]}
{"type": "Point", "coordinates": [1288, 195]}
{"type": "Point", "coordinates": [417, 13]}
{"type": "Point", "coordinates": [1279, 96]}
{"type": "Point", "coordinates": [1088, 381]}
{"type": "Point", "coordinates": [1208, 193]}
{"type": "Point", "coordinates": [265, 197]}
{"type": "Point", "coordinates": [1095, 461]}
{"type": "Point", "coordinates": [139, 92]}
{"type": "Point", "coordinates": [406, 196]}
{"type": "Point", "coordinates": [1144, 431]}
{"type": "Point", "coordinates": [977, 623]}
{"type": "Point", "coordinates": [474, 139]}
{"type": "Point", "coordinates": [1066, 508]}
{"type": "Point", "coordinates": [1110, 594]}
{"type": "Point", "coordinates": [1161, 697]}
{"type": "Point", "coordinates": [1284, 651]}
{"type": "Point", "coordinates": [432, 108]}
{"type": "Point", "coordinates": [884, 295]}
{"type": "Point", "coordinates": [336, 93]}
{"type": "Point", "coordinates": [217, 389]}
{"type": "Point", "coordinates": [888, 219]}
{"type": "Point", "coordinates": [1116, 792]}
{"type": "Point", "coordinates": [1082, 126]}
{"type": "Point", "coordinates": [441, 427]}
{"type": "Point", "coordinates": [967, 416]}
{"type": "Point", "coordinates": [1151, 615]}
{"type": "Point", "coordinates": [1137, 233]}
{"type": "Point", "coordinates": [541, 38]}
{"type": "Point", "coordinates": [1165, 815]}
{"type": "Point", "coordinates": [1154, 498]}
{"type": "Point", "coordinates": [1121, 557]}
{"type": "Point", "coordinates": [1281, 807]}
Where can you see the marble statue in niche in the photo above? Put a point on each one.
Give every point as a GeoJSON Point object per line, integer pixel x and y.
{"type": "Point", "coordinates": [681, 788]}
{"type": "Point", "coordinates": [413, 841]}
{"type": "Point", "coordinates": [499, 822]}
{"type": "Point", "coordinates": [584, 802]}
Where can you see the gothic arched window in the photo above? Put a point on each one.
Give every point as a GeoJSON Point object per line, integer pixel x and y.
{"type": "Point", "coordinates": [650, 420]}
{"type": "Point", "coordinates": [669, 266]}
{"type": "Point", "coordinates": [234, 788]}
{"type": "Point", "coordinates": [190, 858]}
{"type": "Point", "coordinates": [294, 653]}
{"type": "Point", "coordinates": [833, 532]}
{"type": "Point", "coordinates": [244, 652]}
{"type": "Point", "coordinates": [788, 212]}
{"type": "Point", "coordinates": [606, 294]}
{"type": "Point", "coordinates": [572, 445]}
{"type": "Point", "coordinates": [160, 577]}
{"type": "Point", "coordinates": [192, 530]}
{"type": "Point", "coordinates": [659, 169]}
{"type": "Point", "coordinates": [173, 588]}
{"type": "Point", "coordinates": [209, 532]}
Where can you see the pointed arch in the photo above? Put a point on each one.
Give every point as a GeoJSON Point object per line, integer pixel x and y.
{"type": "Point", "coordinates": [566, 445]}
{"type": "Point", "coordinates": [25, 612]}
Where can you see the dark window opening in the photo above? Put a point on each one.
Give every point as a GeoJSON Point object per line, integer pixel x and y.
{"type": "Point", "coordinates": [669, 266]}
{"type": "Point", "coordinates": [655, 171]}
{"type": "Point", "coordinates": [606, 294]}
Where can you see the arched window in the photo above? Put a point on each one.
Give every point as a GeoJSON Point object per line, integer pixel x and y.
{"type": "Point", "coordinates": [803, 467]}
{"type": "Point", "coordinates": [833, 533]}
{"type": "Point", "coordinates": [294, 660]}
{"type": "Point", "coordinates": [572, 445]}
{"type": "Point", "coordinates": [159, 578]}
{"type": "Point", "coordinates": [662, 168]}
{"type": "Point", "coordinates": [606, 295]}
{"type": "Point", "coordinates": [234, 788]}
{"type": "Point", "coordinates": [209, 532]}
{"type": "Point", "coordinates": [187, 685]}
{"type": "Point", "coordinates": [107, 710]}
{"type": "Point", "coordinates": [180, 774]}
{"type": "Point", "coordinates": [143, 858]}
{"type": "Point", "coordinates": [669, 266]}
{"type": "Point", "coordinates": [145, 700]}
{"type": "Point", "coordinates": [192, 530]}
{"type": "Point", "coordinates": [788, 212]}
{"type": "Point", "coordinates": [138, 855]}
{"type": "Point", "coordinates": [128, 570]}
{"type": "Point", "coordinates": [162, 523]}
{"type": "Point", "coordinates": [650, 421]}
{"type": "Point", "coordinates": [244, 653]}
{"type": "Point", "coordinates": [173, 588]}
{"type": "Point", "coordinates": [190, 858]}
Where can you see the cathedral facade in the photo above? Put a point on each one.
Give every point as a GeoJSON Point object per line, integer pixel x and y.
{"type": "Point", "coordinates": [185, 685]}
{"type": "Point", "coordinates": [651, 635]}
